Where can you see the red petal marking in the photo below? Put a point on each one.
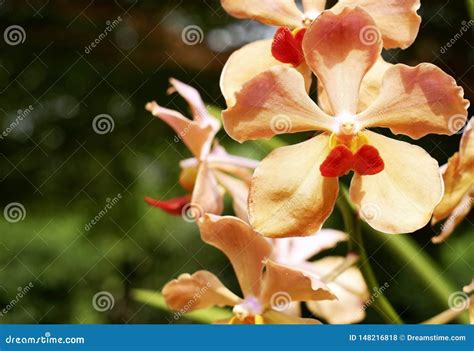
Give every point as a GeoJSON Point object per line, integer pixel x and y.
{"type": "Point", "coordinates": [338, 162]}
{"type": "Point", "coordinates": [287, 48]}
{"type": "Point", "coordinates": [172, 206]}
{"type": "Point", "coordinates": [367, 161]}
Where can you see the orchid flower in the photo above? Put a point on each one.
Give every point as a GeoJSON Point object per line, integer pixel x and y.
{"type": "Point", "coordinates": [396, 185]}
{"type": "Point", "coordinates": [458, 175]}
{"type": "Point", "coordinates": [211, 171]}
{"type": "Point", "coordinates": [345, 280]}
{"type": "Point", "coordinates": [397, 20]}
{"type": "Point", "coordinates": [265, 293]}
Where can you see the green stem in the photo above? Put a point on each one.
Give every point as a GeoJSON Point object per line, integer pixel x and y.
{"type": "Point", "coordinates": [352, 225]}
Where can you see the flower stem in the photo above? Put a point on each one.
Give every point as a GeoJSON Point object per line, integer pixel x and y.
{"type": "Point", "coordinates": [353, 228]}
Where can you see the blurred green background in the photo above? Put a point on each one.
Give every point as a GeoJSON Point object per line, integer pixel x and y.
{"type": "Point", "coordinates": [63, 173]}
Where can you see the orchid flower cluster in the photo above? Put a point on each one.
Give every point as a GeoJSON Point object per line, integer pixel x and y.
{"type": "Point", "coordinates": [281, 203]}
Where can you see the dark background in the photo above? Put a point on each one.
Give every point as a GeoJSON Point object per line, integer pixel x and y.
{"type": "Point", "coordinates": [63, 173]}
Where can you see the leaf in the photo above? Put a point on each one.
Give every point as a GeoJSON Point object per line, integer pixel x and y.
{"type": "Point", "coordinates": [205, 315]}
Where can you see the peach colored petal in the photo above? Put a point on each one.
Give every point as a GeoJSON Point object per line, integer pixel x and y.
{"type": "Point", "coordinates": [248, 62]}
{"type": "Point", "coordinates": [350, 289]}
{"type": "Point", "coordinates": [275, 317]}
{"type": "Point", "coordinates": [284, 284]}
{"type": "Point", "coordinates": [340, 49]}
{"type": "Point", "coordinates": [466, 148]}
{"type": "Point", "coordinates": [245, 249]}
{"type": "Point", "coordinates": [207, 196]}
{"type": "Point", "coordinates": [239, 192]}
{"type": "Point", "coordinates": [193, 98]}
{"type": "Point", "coordinates": [457, 215]}
{"type": "Point", "coordinates": [271, 12]}
{"type": "Point", "coordinates": [197, 137]}
{"type": "Point", "coordinates": [272, 103]}
{"type": "Point", "coordinates": [314, 7]}
{"type": "Point", "coordinates": [288, 195]}
{"type": "Point", "coordinates": [417, 101]}
{"type": "Point", "coordinates": [397, 19]}
{"type": "Point", "coordinates": [299, 249]}
{"type": "Point", "coordinates": [200, 290]}
{"type": "Point", "coordinates": [402, 197]}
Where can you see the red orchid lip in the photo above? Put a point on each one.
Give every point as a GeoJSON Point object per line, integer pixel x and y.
{"type": "Point", "coordinates": [287, 46]}
{"type": "Point", "coordinates": [172, 206]}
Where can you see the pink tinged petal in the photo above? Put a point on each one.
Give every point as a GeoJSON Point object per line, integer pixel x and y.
{"type": "Point", "coordinates": [312, 8]}
{"type": "Point", "coordinates": [350, 289]}
{"type": "Point", "coordinates": [402, 197]}
{"type": "Point", "coordinates": [275, 317]}
{"type": "Point", "coordinates": [300, 249]}
{"type": "Point", "coordinates": [459, 213]}
{"type": "Point", "coordinates": [272, 103]}
{"type": "Point", "coordinates": [340, 49]}
{"type": "Point", "coordinates": [417, 101]}
{"type": "Point", "coordinates": [396, 19]}
{"type": "Point", "coordinates": [245, 248]}
{"type": "Point", "coordinates": [193, 98]}
{"type": "Point", "coordinates": [196, 137]}
{"type": "Point", "coordinates": [271, 12]}
{"type": "Point", "coordinates": [207, 196]}
{"type": "Point", "coordinates": [288, 195]}
{"type": "Point", "coordinates": [284, 284]}
{"type": "Point", "coordinates": [466, 148]}
{"type": "Point", "coordinates": [238, 190]}
{"type": "Point", "coordinates": [200, 290]}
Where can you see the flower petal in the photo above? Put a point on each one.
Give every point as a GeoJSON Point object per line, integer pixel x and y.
{"type": "Point", "coordinates": [197, 137]}
{"type": "Point", "coordinates": [300, 249]}
{"type": "Point", "coordinates": [271, 12]}
{"type": "Point", "coordinates": [314, 6]}
{"type": "Point", "coordinates": [172, 206]}
{"type": "Point", "coordinates": [274, 102]}
{"type": "Point", "coordinates": [283, 284]}
{"type": "Point", "coordinates": [456, 216]}
{"type": "Point", "coordinates": [239, 192]}
{"type": "Point", "coordinates": [207, 196]}
{"type": "Point", "coordinates": [193, 98]}
{"type": "Point", "coordinates": [340, 49]}
{"type": "Point", "coordinates": [275, 317]}
{"type": "Point", "coordinates": [350, 289]}
{"type": "Point", "coordinates": [466, 147]}
{"type": "Point", "coordinates": [396, 19]}
{"type": "Point", "coordinates": [288, 195]}
{"type": "Point", "coordinates": [200, 290]}
{"type": "Point", "coordinates": [402, 197]}
{"type": "Point", "coordinates": [369, 89]}
{"type": "Point", "coordinates": [245, 248]}
{"type": "Point", "coordinates": [417, 101]}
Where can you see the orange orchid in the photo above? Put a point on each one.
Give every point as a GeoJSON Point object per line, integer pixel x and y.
{"type": "Point", "coordinates": [345, 280]}
{"type": "Point", "coordinates": [458, 175]}
{"type": "Point", "coordinates": [396, 185]}
{"type": "Point", "coordinates": [397, 20]}
{"type": "Point", "coordinates": [266, 293]}
{"type": "Point", "coordinates": [211, 171]}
